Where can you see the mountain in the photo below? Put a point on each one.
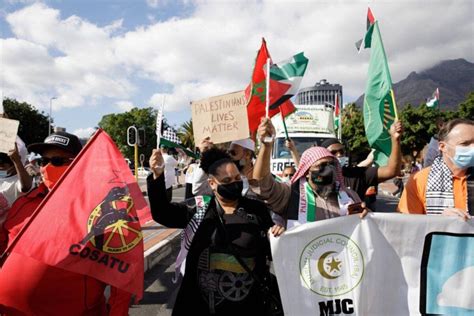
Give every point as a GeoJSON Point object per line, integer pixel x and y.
{"type": "Point", "coordinates": [454, 78]}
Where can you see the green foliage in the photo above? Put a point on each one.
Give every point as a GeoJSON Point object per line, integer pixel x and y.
{"type": "Point", "coordinates": [353, 132]}
{"type": "Point", "coordinates": [466, 109]}
{"type": "Point", "coordinates": [185, 134]}
{"type": "Point", "coordinates": [33, 124]}
{"type": "Point", "coordinates": [419, 126]}
{"type": "Point", "coordinates": [116, 126]}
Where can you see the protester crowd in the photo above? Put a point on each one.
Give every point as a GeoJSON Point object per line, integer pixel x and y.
{"type": "Point", "coordinates": [233, 202]}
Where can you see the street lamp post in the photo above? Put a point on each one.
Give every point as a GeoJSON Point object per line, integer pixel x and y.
{"type": "Point", "coordinates": [50, 113]}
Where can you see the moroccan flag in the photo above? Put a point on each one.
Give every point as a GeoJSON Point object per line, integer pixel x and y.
{"type": "Point", "coordinates": [256, 91]}
{"type": "Point", "coordinates": [379, 102]}
{"type": "Point", "coordinates": [337, 112]}
{"type": "Point", "coordinates": [90, 223]}
{"type": "Point", "coordinates": [434, 100]}
{"type": "Point", "coordinates": [285, 79]}
{"type": "Point", "coordinates": [370, 22]}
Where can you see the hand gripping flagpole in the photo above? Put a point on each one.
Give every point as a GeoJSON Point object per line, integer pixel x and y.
{"type": "Point", "coordinates": [267, 99]}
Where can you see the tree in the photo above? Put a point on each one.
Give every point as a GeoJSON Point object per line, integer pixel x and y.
{"type": "Point", "coordinates": [353, 132]}
{"type": "Point", "coordinates": [466, 109]}
{"type": "Point", "coordinates": [186, 135]}
{"type": "Point", "coordinates": [116, 126]}
{"type": "Point", "coordinates": [33, 124]}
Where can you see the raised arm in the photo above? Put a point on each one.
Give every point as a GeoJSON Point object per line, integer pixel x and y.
{"type": "Point", "coordinates": [26, 181]}
{"type": "Point", "coordinates": [392, 169]}
{"type": "Point", "coordinates": [294, 152]}
{"type": "Point", "coordinates": [262, 164]}
{"type": "Point", "coordinates": [174, 215]}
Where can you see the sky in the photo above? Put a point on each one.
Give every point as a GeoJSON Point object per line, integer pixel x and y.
{"type": "Point", "coordinates": [97, 57]}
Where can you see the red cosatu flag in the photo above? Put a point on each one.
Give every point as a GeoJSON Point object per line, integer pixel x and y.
{"type": "Point", "coordinates": [90, 222]}
{"type": "Point", "coordinates": [256, 92]}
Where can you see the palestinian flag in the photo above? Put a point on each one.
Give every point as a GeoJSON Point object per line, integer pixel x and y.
{"type": "Point", "coordinates": [379, 101]}
{"type": "Point", "coordinates": [370, 22]}
{"type": "Point", "coordinates": [256, 92]}
{"type": "Point", "coordinates": [171, 140]}
{"type": "Point", "coordinates": [285, 79]}
{"type": "Point", "coordinates": [434, 100]}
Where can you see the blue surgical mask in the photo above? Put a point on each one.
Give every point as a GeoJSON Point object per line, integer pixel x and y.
{"type": "Point", "coordinates": [464, 157]}
{"type": "Point", "coordinates": [343, 161]}
{"type": "Point", "coordinates": [3, 174]}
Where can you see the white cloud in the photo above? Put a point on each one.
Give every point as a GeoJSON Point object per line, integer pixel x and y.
{"type": "Point", "coordinates": [84, 132]}
{"type": "Point", "coordinates": [454, 294]}
{"type": "Point", "coordinates": [211, 51]}
{"type": "Point", "coordinates": [124, 106]}
{"type": "Point", "coordinates": [153, 3]}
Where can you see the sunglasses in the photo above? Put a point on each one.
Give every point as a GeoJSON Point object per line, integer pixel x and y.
{"type": "Point", "coordinates": [340, 151]}
{"type": "Point", "coordinates": [55, 161]}
{"type": "Point", "coordinates": [323, 165]}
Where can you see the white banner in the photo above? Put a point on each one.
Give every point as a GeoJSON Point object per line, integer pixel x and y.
{"type": "Point", "coordinates": [385, 264]}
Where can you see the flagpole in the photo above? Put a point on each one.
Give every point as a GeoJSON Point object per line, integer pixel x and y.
{"type": "Point", "coordinates": [394, 105]}
{"type": "Point", "coordinates": [159, 119]}
{"type": "Point", "coordinates": [284, 124]}
{"type": "Point", "coordinates": [339, 132]}
{"type": "Point", "coordinates": [267, 90]}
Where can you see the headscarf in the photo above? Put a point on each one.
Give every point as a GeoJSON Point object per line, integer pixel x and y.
{"type": "Point", "coordinates": [309, 157]}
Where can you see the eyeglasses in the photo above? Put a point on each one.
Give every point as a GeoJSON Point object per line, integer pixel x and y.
{"type": "Point", "coordinates": [55, 161]}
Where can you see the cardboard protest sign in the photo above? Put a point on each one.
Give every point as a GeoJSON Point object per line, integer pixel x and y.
{"type": "Point", "coordinates": [8, 131]}
{"type": "Point", "coordinates": [222, 118]}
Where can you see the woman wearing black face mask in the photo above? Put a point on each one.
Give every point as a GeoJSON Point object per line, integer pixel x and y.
{"type": "Point", "coordinates": [226, 245]}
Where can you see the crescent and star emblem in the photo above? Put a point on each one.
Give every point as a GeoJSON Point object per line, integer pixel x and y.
{"type": "Point", "coordinates": [333, 265]}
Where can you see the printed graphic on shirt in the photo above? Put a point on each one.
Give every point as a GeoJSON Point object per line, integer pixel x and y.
{"type": "Point", "coordinates": [447, 267]}
{"type": "Point", "coordinates": [110, 227]}
{"type": "Point", "coordinates": [221, 277]}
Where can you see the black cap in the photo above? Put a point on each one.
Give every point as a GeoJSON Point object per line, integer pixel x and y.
{"type": "Point", "coordinates": [330, 141]}
{"type": "Point", "coordinates": [60, 140]}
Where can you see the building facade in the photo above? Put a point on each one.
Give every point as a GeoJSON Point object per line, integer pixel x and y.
{"type": "Point", "coordinates": [322, 92]}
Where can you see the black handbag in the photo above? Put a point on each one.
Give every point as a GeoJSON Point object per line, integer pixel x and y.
{"type": "Point", "coordinates": [268, 284]}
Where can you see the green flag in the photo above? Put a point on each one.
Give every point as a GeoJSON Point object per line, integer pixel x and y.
{"type": "Point", "coordinates": [379, 102]}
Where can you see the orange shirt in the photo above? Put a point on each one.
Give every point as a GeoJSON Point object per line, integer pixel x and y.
{"type": "Point", "coordinates": [413, 198]}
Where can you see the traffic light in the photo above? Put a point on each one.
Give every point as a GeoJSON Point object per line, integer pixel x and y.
{"type": "Point", "coordinates": [141, 137]}
{"type": "Point", "coordinates": [132, 136]}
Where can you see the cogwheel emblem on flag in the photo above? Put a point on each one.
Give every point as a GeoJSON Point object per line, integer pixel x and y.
{"type": "Point", "coordinates": [111, 227]}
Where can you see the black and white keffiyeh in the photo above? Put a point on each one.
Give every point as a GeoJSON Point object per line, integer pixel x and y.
{"type": "Point", "coordinates": [439, 190]}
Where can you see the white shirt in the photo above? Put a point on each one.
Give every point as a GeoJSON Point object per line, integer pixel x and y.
{"type": "Point", "coordinates": [170, 164]}
{"type": "Point", "coordinates": [10, 190]}
{"type": "Point", "coordinates": [190, 172]}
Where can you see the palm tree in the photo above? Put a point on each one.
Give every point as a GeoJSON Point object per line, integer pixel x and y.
{"type": "Point", "coordinates": [185, 134]}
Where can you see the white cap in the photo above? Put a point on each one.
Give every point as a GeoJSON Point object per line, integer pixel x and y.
{"type": "Point", "coordinates": [245, 143]}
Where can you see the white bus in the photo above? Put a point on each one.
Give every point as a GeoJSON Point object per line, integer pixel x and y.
{"type": "Point", "coordinates": [309, 126]}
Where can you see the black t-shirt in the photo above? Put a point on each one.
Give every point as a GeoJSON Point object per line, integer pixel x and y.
{"type": "Point", "coordinates": [214, 281]}
{"type": "Point", "coordinates": [360, 179]}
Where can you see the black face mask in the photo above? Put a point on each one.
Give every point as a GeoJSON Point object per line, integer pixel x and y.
{"type": "Point", "coordinates": [324, 176]}
{"type": "Point", "coordinates": [231, 191]}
